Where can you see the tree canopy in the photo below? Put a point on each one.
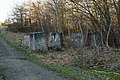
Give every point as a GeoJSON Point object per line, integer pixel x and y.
{"type": "Point", "coordinates": [66, 16]}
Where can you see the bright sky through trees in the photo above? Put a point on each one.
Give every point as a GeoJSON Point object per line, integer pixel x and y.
{"type": "Point", "coordinates": [5, 8]}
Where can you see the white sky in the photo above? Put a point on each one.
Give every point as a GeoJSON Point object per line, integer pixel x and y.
{"type": "Point", "coordinates": [6, 7]}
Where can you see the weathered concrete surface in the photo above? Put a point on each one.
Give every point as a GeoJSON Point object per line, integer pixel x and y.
{"type": "Point", "coordinates": [55, 41]}
{"type": "Point", "coordinates": [26, 41]}
{"type": "Point", "coordinates": [76, 39]}
{"type": "Point", "coordinates": [17, 68]}
{"type": "Point", "coordinates": [38, 41]}
{"type": "Point", "coordinates": [94, 39]}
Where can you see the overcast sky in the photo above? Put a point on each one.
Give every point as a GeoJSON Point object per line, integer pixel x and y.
{"type": "Point", "coordinates": [6, 6]}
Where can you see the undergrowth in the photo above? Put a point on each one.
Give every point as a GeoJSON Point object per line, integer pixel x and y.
{"type": "Point", "coordinates": [54, 61]}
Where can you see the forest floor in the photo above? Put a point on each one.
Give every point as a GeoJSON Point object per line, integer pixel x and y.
{"type": "Point", "coordinates": [67, 62]}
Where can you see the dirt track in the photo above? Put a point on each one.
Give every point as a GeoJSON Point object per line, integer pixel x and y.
{"type": "Point", "coordinates": [17, 68]}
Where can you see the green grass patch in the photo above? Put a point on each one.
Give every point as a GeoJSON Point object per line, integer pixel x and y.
{"type": "Point", "coordinates": [2, 71]}
{"type": "Point", "coordinates": [71, 72]}
{"type": "Point", "coordinates": [104, 72]}
{"type": "Point", "coordinates": [74, 73]}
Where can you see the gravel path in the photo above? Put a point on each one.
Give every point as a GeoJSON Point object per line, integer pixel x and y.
{"type": "Point", "coordinates": [17, 68]}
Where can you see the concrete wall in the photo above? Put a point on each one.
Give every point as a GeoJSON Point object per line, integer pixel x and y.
{"type": "Point", "coordinates": [26, 41]}
{"type": "Point", "coordinates": [76, 40]}
{"type": "Point", "coordinates": [55, 41]}
{"type": "Point", "coordinates": [35, 41]}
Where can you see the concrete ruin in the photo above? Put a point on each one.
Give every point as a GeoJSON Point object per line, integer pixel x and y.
{"type": "Point", "coordinates": [26, 41]}
{"type": "Point", "coordinates": [35, 41]}
{"type": "Point", "coordinates": [76, 40]}
{"type": "Point", "coordinates": [94, 39]}
{"type": "Point", "coordinates": [55, 41]}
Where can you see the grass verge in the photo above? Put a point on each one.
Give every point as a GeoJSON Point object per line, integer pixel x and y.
{"type": "Point", "coordinates": [1, 71]}
{"type": "Point", "coordinates": [71, 72]}
{"type": "Point", "coordinates": [104, 72]}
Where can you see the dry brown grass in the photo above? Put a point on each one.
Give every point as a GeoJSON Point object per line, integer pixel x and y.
{"type": "Point", "coordinates": [82, 57]}
{"type": "Point", "coordinates": [17, 37]}
{"type": "Point", "coordinates": [98, 57]}
{"type": "Point", "coordinates": [64, 57]}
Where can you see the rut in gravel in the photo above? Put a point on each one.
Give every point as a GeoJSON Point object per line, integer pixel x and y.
{"type": "Point", "coordinates": [18, 68]}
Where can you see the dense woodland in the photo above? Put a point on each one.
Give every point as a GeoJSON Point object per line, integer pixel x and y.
{"type": "Point", "coordinates": [67, 16]}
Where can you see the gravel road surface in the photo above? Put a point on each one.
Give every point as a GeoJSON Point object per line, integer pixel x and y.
{"type": "Point", "coordinates": [17, 68]}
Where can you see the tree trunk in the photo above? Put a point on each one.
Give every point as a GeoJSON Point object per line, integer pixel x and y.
{"type": "Point", "coordinates": [108, 33]}
{"type": "Point", "coordinates": [82, 36]}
